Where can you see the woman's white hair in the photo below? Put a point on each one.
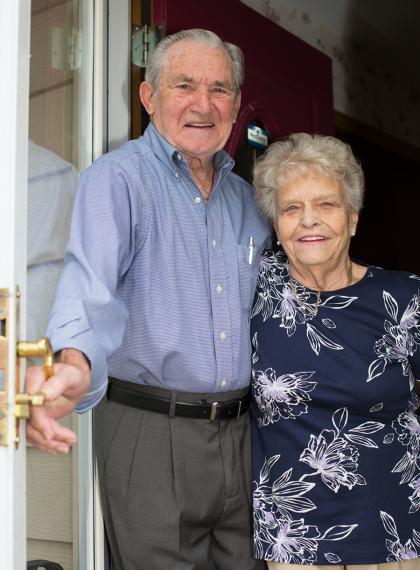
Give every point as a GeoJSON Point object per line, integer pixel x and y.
{"type": "Point", "coordinates": [158, 58]}
{"type": "Point", "coordinates": [298, 155]}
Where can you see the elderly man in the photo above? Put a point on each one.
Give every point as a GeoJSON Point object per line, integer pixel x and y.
{"type": "Point", "coordinates": [152, 319]}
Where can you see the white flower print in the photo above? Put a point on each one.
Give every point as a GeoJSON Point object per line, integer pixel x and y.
{"type": "Point", "coordinates": [291, 544]}
{"type": "Point", "coordinates": [287, 495]}
{"type": "Point", "coordinates": [398, 551]}
{"type": "Point", "coordinates": [254, 343]}
{"type": "Point", "coordinates": [407, 430]}
{"type": "Point", "coordinates": [286, 539]}
{"type": "Point", "coordinates": [317, 339]}
{"type": "Point", "coordinates": [269, 281]}
{"type": "Point", "coordinates": [415, 496]}
{"type": "Point", "coordinates": [400, 339]}
{"type": "Point", "coordinates": [327, 425]}
{"type": "Point", "coordinates": [272, 501]}
{"type": "Point", "coordinates": [332, 558]}
{"type": "Point", "coordinates": [328, 323]}
{"type": "Point", "coordinates": [276, 300]}
{"type": "Point", "coordinates": [389, 438]}
{"type": "Point", "coordinates": [406, 466]}
{"type": "Point", "coordinates": [333, 457]}
{"type": "Point", "coordinates": [284, 396]}
{"type": "Point", "coordinates": [288, 311]}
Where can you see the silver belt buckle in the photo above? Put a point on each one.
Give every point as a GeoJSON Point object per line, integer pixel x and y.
{"type": "Point", "coordinates": [213, 413]}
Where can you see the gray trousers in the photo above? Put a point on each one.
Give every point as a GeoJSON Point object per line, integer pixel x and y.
{"type": "Point", "coordinates": [176, 492]}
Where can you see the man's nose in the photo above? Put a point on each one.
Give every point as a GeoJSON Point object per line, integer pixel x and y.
{"type": "Point", "coordinates": [202, 101]}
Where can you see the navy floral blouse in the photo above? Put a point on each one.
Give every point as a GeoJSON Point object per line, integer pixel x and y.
{"type": "Point", "coordinates": [335, 433]}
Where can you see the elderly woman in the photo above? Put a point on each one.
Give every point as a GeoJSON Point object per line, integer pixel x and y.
{"type": "Point", "coordinates": [336, 357]}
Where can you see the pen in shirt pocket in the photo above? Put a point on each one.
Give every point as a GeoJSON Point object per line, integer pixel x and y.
{"type": "Point", "coordinates": [251, 245]}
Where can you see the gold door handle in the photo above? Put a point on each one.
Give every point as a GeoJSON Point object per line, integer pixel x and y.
{"type": "Point", "coordinates": [26, 349]}
{"type": "Point", "coordinates": [42, 347]}
{"type": "Point", "coordinates": [24, 401]}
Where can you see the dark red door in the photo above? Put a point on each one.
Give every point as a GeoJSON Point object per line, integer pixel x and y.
{"type": "Point", "coordinates": [288, 84]}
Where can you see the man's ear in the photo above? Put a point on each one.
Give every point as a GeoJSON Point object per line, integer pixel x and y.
{"type": "Point", "coordinates": [146, 96]}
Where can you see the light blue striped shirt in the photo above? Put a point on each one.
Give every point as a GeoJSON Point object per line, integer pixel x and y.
{"type": "Point", "coordinates": [157, 285]}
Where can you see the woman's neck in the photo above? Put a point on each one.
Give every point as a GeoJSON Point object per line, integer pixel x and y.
{"type": "Point", "coordinates": [323, 278]}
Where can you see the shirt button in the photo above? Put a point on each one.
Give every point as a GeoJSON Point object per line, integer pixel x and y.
{"type": "Point", "coordinates": [224, 382]}
{"type": "Point", "coordinates": [197, 199]}
{"type": "Point", "coordinates": [177, 174]}
{"type": "Point", "coordinates": [178, 156]}
{"type": "Point", "coordinates": [213, 242]}
{"type": "Point", "coordinates": [219, 288]}
{"type": "Point", "coordinates": [222, 335]}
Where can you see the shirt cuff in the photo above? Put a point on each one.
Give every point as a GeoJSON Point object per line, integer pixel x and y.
{"type": "Point", "coordinates": [86, 342]}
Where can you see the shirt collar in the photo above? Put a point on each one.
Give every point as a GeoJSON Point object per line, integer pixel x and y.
{"type": "Point", "coordinates": [170, 156]}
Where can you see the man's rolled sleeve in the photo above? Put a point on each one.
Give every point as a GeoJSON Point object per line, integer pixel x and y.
{"type": "Point", "coordinates": [68, 330]}
{"type": "Point", "coordinates": [88, 314]}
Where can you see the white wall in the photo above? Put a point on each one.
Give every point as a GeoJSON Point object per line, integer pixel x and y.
{"type": "Point", "coordinates": [375, 49]}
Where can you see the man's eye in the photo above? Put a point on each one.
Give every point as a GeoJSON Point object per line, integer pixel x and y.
{"type": "Point", "coordinates": [327, 204]}
{"type": "Point", "coordinates": [219, 91]}
{"type": "Point", "coordinates": [183, 86]}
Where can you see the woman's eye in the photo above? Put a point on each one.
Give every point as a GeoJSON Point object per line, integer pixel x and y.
{"type": "Point", "coordinates": [183, 86]}
{"type": "Point", "coordinates": [327, 204]}
{"type": "Point", "coordinates": [291, 208]}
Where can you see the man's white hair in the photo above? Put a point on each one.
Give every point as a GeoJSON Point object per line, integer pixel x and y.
{"type": "Point", "coordinates": [158, 58]}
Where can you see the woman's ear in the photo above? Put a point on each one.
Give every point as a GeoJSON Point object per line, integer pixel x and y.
{"type": "Point", "coordinates": [354, 218]}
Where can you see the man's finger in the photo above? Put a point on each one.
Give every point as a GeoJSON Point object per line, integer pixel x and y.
{"type": "Point", "coordinates": [68, 380]}
{"type": "Point", "coordinates": [59, 437]}
{"type": "Point", "coordinates": [50, 429]}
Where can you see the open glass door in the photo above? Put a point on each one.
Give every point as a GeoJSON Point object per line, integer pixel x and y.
{"type": "Point", "coordinates": [47, 50]}
{"type": "Point", "coordinates": [65, 135]}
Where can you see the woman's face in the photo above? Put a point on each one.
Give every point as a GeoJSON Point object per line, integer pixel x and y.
{"type": "Point", "coordinates": [314, 221]}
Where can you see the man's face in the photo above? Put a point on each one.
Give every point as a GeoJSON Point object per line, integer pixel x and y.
{"type": "Point", "coordinates": [196, 103]}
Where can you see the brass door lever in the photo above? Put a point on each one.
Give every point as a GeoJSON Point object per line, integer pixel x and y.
{"type": "Point", "coordinates": [26, 349]}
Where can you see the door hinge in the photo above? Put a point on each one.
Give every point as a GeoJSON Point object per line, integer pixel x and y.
{"type": "Point", "coordinates": [143, 43]}
{"type": "Point", "coordinates": [66, 48]}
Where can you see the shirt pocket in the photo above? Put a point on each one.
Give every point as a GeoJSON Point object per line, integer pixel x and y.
{"type": "Point", "coordinates": [248, 270]}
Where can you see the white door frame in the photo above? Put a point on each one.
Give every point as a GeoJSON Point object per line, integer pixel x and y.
{"type": "Point", "coordinates": [14, 103]}
{"type": "Point", "coordinates": [94, 99]}
{"type": "Point", "coordinates": [111, 127]}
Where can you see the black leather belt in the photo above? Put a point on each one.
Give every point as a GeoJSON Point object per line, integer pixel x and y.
{"type": "Point", "coordinates": [122, 393]}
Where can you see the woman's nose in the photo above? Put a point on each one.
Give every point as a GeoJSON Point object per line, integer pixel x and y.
{"type": "Point", "coordinates": [309, 216]}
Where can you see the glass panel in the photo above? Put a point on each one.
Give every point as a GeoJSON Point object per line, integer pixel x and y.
{"type": "Point", "coordinates": [58, 149]}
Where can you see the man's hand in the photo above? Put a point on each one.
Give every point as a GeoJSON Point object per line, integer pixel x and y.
{"type": "Point", "coordinates": [63, 391]}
